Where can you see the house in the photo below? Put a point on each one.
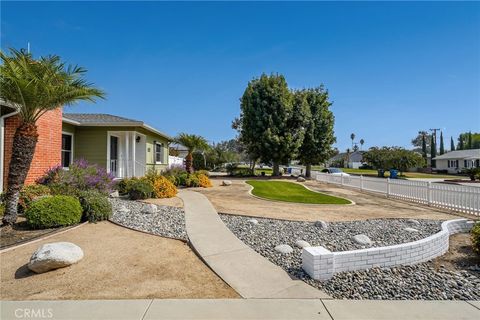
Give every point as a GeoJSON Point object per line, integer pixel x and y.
{"type": "Point", "coordinates": [456, 161]}
{"type": "Point", "coordinates": [348, 160]}
{"type": "Point", "coordinates": [122, 146]}
{"type": "Point", "coordinates": [47, 152]}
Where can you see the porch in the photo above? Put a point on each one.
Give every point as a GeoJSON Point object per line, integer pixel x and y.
{"type": "Point", "coordinates": [126, 153]}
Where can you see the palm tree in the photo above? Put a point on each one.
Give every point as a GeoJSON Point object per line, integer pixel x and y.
{"type": "Point", "coordinates": [192, 142]}
{"type": "Point", "coordinates": [34, 87]}
{"type": "Point", "coordinates": [361, 143]}
{"type": "Point", "coordinates": [352, 136]}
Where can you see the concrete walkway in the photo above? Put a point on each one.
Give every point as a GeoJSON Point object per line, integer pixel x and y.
{"type": "Point", "coordinates": [246, 271]}
{"type": "Point", "coordinates": [265, 309]}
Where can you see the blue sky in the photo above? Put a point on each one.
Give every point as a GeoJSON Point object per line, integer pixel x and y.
{"type": "Point", "coordinates": [391, 68]}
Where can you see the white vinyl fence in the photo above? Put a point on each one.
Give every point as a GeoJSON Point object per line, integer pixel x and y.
{"type": "Point", "coordinates": [458, 198]}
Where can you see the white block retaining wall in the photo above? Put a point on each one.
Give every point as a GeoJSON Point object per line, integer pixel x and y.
{"type": "Point", "coordinates": [322, 264]}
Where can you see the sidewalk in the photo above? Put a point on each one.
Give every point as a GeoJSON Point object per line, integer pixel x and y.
{"type": "Point", "coordinates": [246, 271]}
{"type": "Point", "coordinates": [240, 309]}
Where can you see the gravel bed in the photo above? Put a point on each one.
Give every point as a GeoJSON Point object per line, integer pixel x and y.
{"type": "Point", "coordinates": [167, 221]}
{"type": "Point", "coordinates": [421, 281]}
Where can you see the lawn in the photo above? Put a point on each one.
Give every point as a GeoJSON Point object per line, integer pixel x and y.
{"type": "Point", "coordinates": [291, 192]}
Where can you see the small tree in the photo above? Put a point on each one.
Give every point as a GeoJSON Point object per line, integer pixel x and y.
{"type": "Point", "coordinates": [461, 145]}
{"type": "Point", "coordinates": [442, 147]}
{"type": "Point", "coordinates": [433, 152]}
{"type": "Point", "coordinates": [361, 143]}
{"type": "Point", "coordinates": [193, 143]}
{"type": "Point", "coordinates": [424, 147]}
{"type": "Point", "coordinates": [352, 137]}
{"type": "Point", "coordinates": [452, 144]}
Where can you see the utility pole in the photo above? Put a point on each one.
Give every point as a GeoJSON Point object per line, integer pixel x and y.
{"type": "Point", "coordinates": [435, 135]}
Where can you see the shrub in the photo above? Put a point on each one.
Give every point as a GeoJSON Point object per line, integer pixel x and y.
{"type": "Point", "coordinates": [475, 236]}
{"type": "Point", "coordinates": [121, 186]}
{"type": "Point", "coordinates": [204, 181]}
{"type": "Point", "coordinates": [95, 206]}
{"type": "Point", "coordinates": [139, 189]}
{"type": "Point", "coordinates": [204, 172]}
{"type": "Point", "coordinates": [177, 175]}
{"type": "Point", "coordinates": [54, 211]}
{"type": "Point", "coordinates": [192, 181]}
{"type": "Point", "coordinates": [163, 188]}
{"type": "Point", "coordinates": [30, 193]}
{"type": "Point", "coordinates": [80, 176]}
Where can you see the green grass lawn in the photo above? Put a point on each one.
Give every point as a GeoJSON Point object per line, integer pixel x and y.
{"type": "Point", "coordinates": [373, 173]}
{"type": "Point", "coordinates": [291, 192]}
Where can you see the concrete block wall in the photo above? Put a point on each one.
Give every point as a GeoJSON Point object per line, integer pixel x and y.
{"type": "Point", "coordinates": [322, 264]}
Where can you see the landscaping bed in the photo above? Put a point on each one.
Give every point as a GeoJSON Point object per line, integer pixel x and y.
{"type": "Point", "coordinates": [167, 221]}
{"type": "Point", "coordinates": [422, 281]}
{"type": "Point", "coordinates": [21, 232]}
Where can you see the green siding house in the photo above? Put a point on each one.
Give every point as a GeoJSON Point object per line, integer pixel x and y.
{"type": "Point", "coordinates": [125, 147]}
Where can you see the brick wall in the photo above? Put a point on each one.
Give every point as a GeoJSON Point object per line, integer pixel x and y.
{"type": "Point", "coordinates": [322, 264]}
{"type": "Point", "coordinates": [48, 150]}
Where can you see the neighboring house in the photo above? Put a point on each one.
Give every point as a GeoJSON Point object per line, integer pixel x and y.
{"type": "Point", "coordinates": [352, 160]}
{"type": "Point", "coordinates": [180, 150]}
{"type": "Point", "coordinates": [47, 151]}
{"type": "Point", "coordinates": [456, 161]}
{"type": "Point", "coordinates": [122, 146]}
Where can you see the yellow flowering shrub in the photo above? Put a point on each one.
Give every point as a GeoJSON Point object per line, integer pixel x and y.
{"type": "Point", "coordinates": [163, 188]}
{"type": "Point", "coordinates": [204, 181]}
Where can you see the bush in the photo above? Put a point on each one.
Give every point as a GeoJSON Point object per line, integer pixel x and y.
{"type": "Point", "coordinates": [139, 189]}
{"type": "Point", "coordinates": [121, 186]}
{"type": "Point", "coordinates": [192, 181]}
{"type": "Point", "coordinates": [95, 206]}
{"type": "Point", "coordinates": [81, 176]}
{"type": "Point", "coordinates": [163, 188]}
{"type": "Point", "coordinates": [177, 175]}
{"type": "Point", "coordinates": [54, 211]}
{"type": "Point", "coordinates": [475, 236]}
{"type": "Point", "coordinates": [204, 181]}
{"type": "Point", "coordinates": [30, 193]}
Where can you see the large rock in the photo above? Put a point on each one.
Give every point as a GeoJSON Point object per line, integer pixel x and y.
{"type": "Point", "coordinates": [413, 222]}
{"type": "Point", "coordinates": [362, 239]}
{"type": "Point", "coordinates": [150, 208]}
{"type": "Point", "coordinates": [321, 224]}
{"type": "Point", "coordinates": [284, 248]}
{"type": "Point", "coordinates": [253, 221]}
{"type": "Point", "coordinates": [55, 255]}
{"type": "Point", "coordinates": [302, 244]}
{"type": "Point", "coordinates": [115, 194]}
{"type": "Point", "coordinates": [226, 183]}
{"type": "Point", "coordinates": [300, 179]}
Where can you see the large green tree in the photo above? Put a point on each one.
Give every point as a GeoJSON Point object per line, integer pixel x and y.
{"type": "Point", "coordinates": [433, 151]}
{"type": "Point", "coordinates": [268, 126]}
{"type": "Point", "coordinates": [319, 120]}
{"type": "Point", "coordinates": [442, 146]}
{"type": "Point", "coordinates": [193, 143]}
{"type": "Point", "coordinates": [418, 141]}
{"type": "Point", "coordinates": [393, 158]}
{"type": "Point", "coordinates": [452, 144]}
{"type": "Point", "coordinates": [33, 87]}
{"type": "Point", "coordinates": [469, 140]}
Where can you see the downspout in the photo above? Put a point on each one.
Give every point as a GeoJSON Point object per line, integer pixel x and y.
{"type": "Point", "coordinates": [2, 147]}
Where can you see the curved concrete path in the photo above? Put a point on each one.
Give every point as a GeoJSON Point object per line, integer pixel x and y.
{"type": "Point", "coordinates": [246, 271]}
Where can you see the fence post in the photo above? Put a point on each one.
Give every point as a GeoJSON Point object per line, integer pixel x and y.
{"type": "Point", "coordinates": [388, 187]}
{"type": "Point", "coordinates": [429, 193]}
{"type": "Point", "coordinates": [361, 182]}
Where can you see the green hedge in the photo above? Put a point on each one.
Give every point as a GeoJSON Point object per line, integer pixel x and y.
{"type": "Point", "coordinates": [139, 189]}
{"type": "Point", "coordinates": [54, 211]}
{"type": "Point", "coordinates": [95, 205]}
{"type": "Point", "coordinates": [475, 236]}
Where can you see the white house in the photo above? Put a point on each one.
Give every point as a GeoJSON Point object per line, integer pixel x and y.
{"type": "Point", "coordinates": [456, 161]}
{"type": "Point", "coordinates": [352, 160]}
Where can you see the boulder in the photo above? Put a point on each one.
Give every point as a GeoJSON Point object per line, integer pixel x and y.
{"type": "Point", "coordinates": [362, 239]}
{"type": "Point", "coordinates": [302, 244]}
{"type": "Point", "coordinates": [284, 249]}
{"type": "Point", "coordinates": [321, 224]}
{"type": "Point", "coordinates": [55, 255]}
{"type": "Point", "coordinates": [226, 183]}
{"type": "Point", "coordinates": [114, 194]}
{"type": "Point", "coordinates": [300, 179]}
{"type": "Point", "coordinates": [150, 208]}
{"type": "Point", "coordinates": [253, 221]}
{"type": "Point", "coordinates": [410, 230]}
{"type": "Point", "coordinates": [413, 222]}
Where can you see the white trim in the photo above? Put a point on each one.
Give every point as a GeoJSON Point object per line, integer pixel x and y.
{"type": "Point", "coordinates": [71, 151]}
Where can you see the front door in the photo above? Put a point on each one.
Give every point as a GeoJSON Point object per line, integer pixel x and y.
{"type": "Point", "coordinates": [114, 155]}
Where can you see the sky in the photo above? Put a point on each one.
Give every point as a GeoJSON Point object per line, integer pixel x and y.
{"type": "Point", "coordinates": [391, 68]}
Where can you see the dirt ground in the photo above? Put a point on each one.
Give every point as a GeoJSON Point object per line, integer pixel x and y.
{"type": "Point", "coordinates": [118, 264]}
{"type": "Point", "coordinates": [172, 202]}
{"type": "Point", "coordinates": [460, 255]}
{"type": "Point", "coordinates": [21, 232]}
{"type": "Point", "coordinates": [235, 199]}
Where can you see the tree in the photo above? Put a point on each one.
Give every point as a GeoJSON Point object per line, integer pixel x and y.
{"type": "Point", "coordinates": [470, 143]}
{"type": "Point", "coordinates": [424, 147]}
{"type": "Point", "coordinates": [361, 143]}
{"type": "Point", "coordinates": [452, 144]}
{"type": "Point", "coordinates": [35, 87]}
{"type": "Point", "coordinates": [433, 152]}
{"type": "Point", "coordinates": [442, 147]}
{"type": "Point", "coordinates": [268, 126]}
{"type": "Point", "coordinates": [193, 143]}
{"type": "Point", "coordinates": [387, 158]}
{"type": "Point", "coordinates": [352, 137]}
{"type": "Point", "coordinates": [317, 142]}
{"type": "Point", "coordinates": [417, 142]}
{"type": "Point", "coordinates": [461, 145]}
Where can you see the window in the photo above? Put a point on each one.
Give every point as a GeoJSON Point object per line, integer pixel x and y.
{"type": "Point", "coordinates": [158, 152]}
{"type": "Point", "coordinates": [67, 150]}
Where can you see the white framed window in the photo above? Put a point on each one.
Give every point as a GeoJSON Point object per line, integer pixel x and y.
{"type": "Point", "coordinates": [158, 152]}
{"type": "Point", "coordinates": [67, 149]}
